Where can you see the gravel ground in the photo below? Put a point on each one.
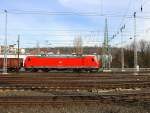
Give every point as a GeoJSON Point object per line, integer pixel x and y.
{"type": "Point", "coordinates": [73, 108]}
{"type": "Point", "coordinates": [68, 92]}
{"type": "Point", "coordinates": [68, 108]}
{"type": "Point", "coordinates": [23, 93]}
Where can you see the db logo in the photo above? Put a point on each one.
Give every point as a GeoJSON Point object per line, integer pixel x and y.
{"type": "Point", "coordinates": [60, 62]}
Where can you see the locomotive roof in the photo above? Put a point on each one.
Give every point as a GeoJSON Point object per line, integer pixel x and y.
{"type": "Point", "coordinates": [61, 56]}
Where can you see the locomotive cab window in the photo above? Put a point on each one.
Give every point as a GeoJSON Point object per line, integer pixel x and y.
{"type": "Point", "coordinates": [92, 59]}
{"type": "Point", "coordinates": [29, 59]}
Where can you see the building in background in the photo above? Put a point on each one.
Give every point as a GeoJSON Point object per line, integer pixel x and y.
{"type": "Point", "coordinates": [12, 49]}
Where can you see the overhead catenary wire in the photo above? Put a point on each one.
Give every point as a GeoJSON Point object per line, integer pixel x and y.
{"type": "Point", "coordinates": [137, 17]}
{"type": "Point", "coordinates": [125, 14]}
{"type": "Point", "coordinates": [145, 2]}
{"type": "Point", "coordinates": [113, 15]}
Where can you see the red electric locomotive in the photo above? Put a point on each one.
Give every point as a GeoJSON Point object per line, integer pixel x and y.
{"type": "Point", "coordinates": [47, 63]}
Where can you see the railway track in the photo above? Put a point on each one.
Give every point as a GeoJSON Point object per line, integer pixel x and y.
{"type": "Point", "coordinates": [83, 79]}
{"type": "Point", "coordinates": [73, 85]}
{"type": "Point", "coordinates": [89, 82]}
{"type": "Point", "coordinates": [77, 82]}
{"type": "Point", "coordinates": [75, 75]}
{"type": "Point", "coordinates": [56, 74]}
{"type": "Point", "coordinates": [61, 99]}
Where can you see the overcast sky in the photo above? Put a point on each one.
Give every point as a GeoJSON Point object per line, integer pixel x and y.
{"type": "Point", "coordinates": [34, 21]}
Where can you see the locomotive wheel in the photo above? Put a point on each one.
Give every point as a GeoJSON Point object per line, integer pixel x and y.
{"type": "Point", "coordinates": [45, 70]}
{"type": "Point", "coordinates": [32, 70]}
{"type": "Point", "coordinates": [77, 70]}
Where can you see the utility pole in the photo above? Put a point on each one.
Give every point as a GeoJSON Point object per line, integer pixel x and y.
{"type": "Point", "coordinates": [101, 7]}
{"type": "Point", "coordinates": [122, 52]}
{"type": "Point", "coordinates": [122, 49]}
{"type": "Point", "coordinates": [135, 44]}
{"type": "Point", "coordinates": [18, 42]}
{"type": "Point", "coordinates": [5, 46]}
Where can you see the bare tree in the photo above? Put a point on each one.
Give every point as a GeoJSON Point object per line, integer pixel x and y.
{"type": "Point", "coordinates": [143, 54]}
{"type": "Point", "coordinates": [78, 44]}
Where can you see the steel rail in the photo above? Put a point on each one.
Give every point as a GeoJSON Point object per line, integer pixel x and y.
{"type": "Point", "coordinates": [68, 85]}
{"type": "Point", "coordinates": [117, 98]}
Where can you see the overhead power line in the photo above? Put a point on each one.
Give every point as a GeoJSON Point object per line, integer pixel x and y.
{"type": "Point", "coordinates": [114, 15]}
{"type": "Point", "coordinates": [133, 16]}
{"type": "Point", "coordinates": [145, 2]}
{"type": "Point", "coordinates": [125, 14]}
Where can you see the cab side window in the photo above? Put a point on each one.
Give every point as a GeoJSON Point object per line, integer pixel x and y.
{"type": "Point", "coordinates": [29, 59]}
{"type": "Point", "coordinates": [92, 59]}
